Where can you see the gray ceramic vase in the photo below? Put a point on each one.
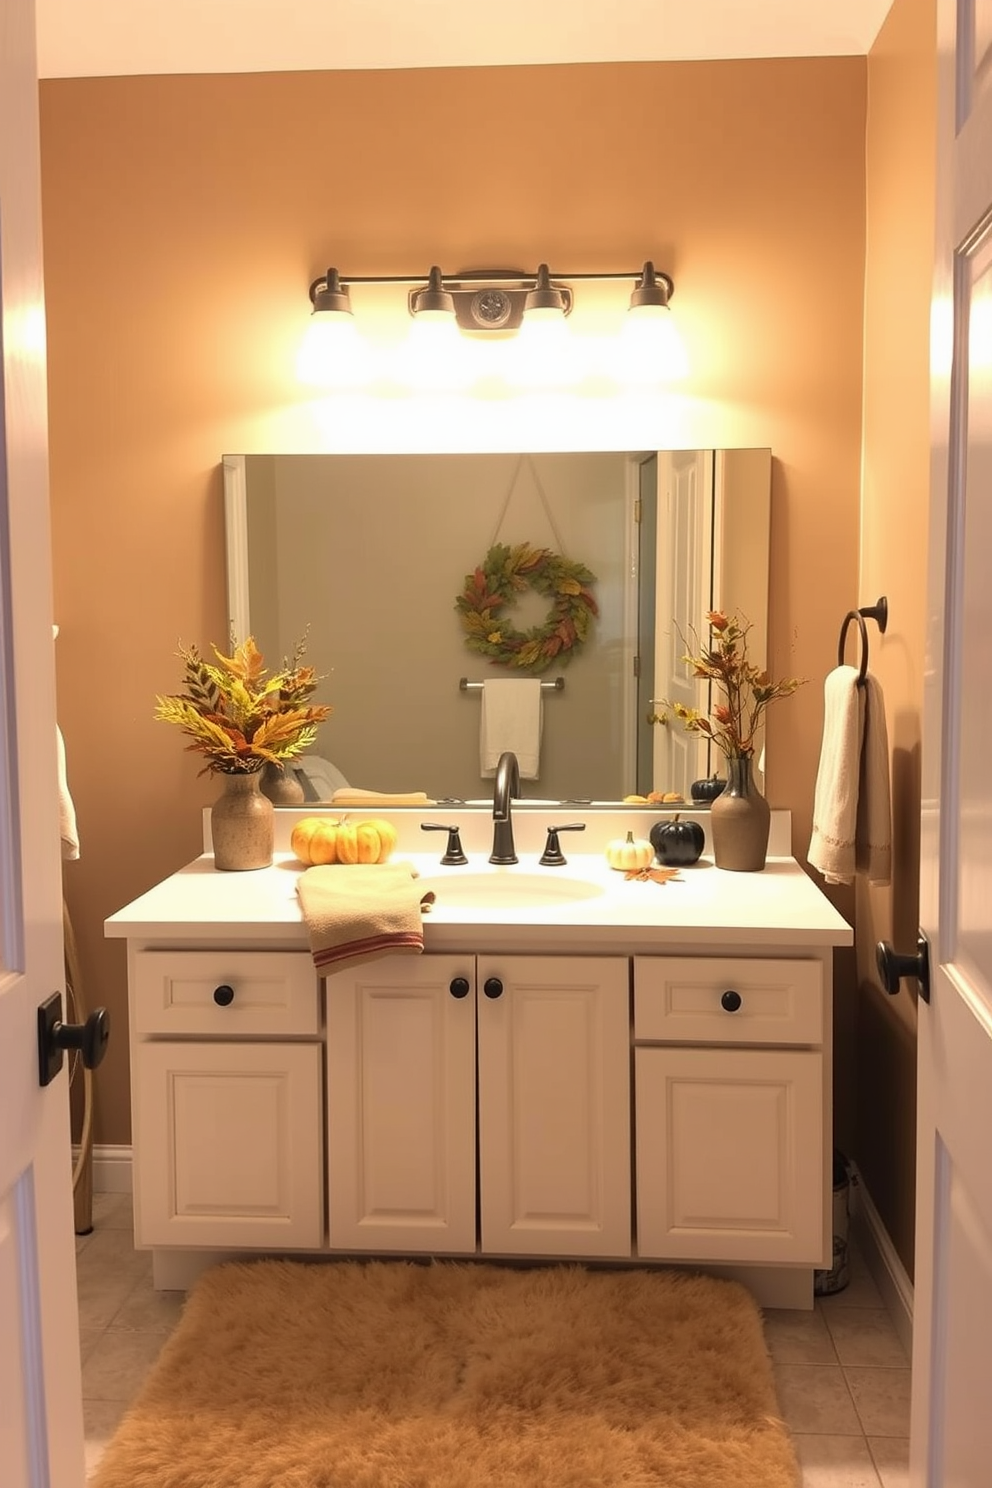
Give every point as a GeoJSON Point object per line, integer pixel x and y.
{"type": "Point", "coordinates": [740, 819]}
{"type": "Point", "coordinates": [242, 824]}
{"type": "Point", "coordinates": [281, 787]}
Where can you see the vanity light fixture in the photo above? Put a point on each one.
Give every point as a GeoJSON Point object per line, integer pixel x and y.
{"type": "Point", "coordinates": [329, 296]}
{"type": "Point", "coordinates": [545, 301]}
{"type": "Point", "coordinates": [496, 303]}
{"type": "Point", "coordinates": [332, 351]}
{"type": "Point", "coordinates": [543, 356]}
{"type": "Point", "coordinates": [649, 338]}
{"type": "Point", "coordinates": [433, 357]}
{"type": "Point", "coordinates": [433, 301]}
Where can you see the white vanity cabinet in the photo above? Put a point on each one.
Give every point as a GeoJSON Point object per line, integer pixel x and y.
{"type": "Point", "coordinates": [227, 1104]}
{"type": "Point", "coordinates": [560, 1080]}
{"type": "Point", "coordinates": [731, 1106]}
{"type": "Point", "coordinates": [460, 1085]}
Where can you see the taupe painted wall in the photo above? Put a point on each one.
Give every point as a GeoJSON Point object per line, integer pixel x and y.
{"type": "Point", "coordinates": [899, 265]}
{"type": "Point", "coordinates": [184, 218]}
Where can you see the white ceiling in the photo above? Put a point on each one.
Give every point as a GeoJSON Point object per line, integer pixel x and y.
{"type": "Point", "coordinates": [101, 38]}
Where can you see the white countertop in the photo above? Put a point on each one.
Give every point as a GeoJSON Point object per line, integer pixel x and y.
{"type": "Point", "coordinates": [706, 906]}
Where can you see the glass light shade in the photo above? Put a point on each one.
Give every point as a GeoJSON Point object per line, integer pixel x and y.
{"type": "Point", "coordinates": [544, 352]}
{"type": "Point", "coordinates": [650, 348]}
{"type": "Point", "coordinates": [333, 353]}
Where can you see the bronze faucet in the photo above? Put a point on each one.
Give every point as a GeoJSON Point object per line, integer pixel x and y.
{"type": "Point", "coordinates": [506, 786]}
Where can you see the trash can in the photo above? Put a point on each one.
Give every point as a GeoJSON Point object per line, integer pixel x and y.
{"type": "Point", "coordinates": [825, 1283]}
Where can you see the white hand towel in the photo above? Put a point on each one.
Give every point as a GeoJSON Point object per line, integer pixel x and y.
{"type": "Point", "coordinates": [851, 804]}
{"type": "Point", "coordinates": [67, 811]}
{"type": "Point", "coordinates": [511, 719]}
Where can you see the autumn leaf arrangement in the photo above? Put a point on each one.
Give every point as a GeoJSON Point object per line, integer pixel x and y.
{"type": "Point", "coordinates": [237, 715]}
{"type": "Point", "coordinates": [747, 690]}
{"type": "Point", "coordinates": [494, 586]}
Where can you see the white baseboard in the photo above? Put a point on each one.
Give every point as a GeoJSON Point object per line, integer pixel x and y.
{"type": "Point", "coordinates": [111, 1169]}
{"type": "Point", "coordinates": [880, 1255]}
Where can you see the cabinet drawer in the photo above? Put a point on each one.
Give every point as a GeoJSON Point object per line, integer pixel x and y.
{"type": "Point", "coordinates": [682, 999]}
{"type": "Point", "coordinates": [274, 992]}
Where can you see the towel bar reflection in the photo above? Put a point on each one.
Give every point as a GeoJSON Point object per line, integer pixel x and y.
{"type": "Point", "coordinates": [878, 612]}
{"type": "Point", "coordinates": [558, 685]}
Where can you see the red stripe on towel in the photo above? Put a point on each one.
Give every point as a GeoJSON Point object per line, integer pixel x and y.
{"type": "Point", "coordinates": [372, 944]}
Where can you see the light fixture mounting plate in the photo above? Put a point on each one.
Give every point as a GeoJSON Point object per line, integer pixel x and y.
{"type": "Point", "coordinates": [489, 300]}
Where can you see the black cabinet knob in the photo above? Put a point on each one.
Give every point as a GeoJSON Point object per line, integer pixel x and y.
{"type": "Point", "coordinates": [493, 987]}
{"type": "Point", "coordinates": [731, 1001]}
{"type": "Point", "coordinates": [223, 995]}
{"type": "Point", "coordinates": [459, 987]}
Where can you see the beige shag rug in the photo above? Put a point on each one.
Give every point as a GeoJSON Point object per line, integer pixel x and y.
{"type": "Point", "coordinates": [456, 1375]}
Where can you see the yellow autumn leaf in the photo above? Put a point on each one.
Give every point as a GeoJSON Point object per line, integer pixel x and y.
{"type": "Point", "coordinates": [246, 663]}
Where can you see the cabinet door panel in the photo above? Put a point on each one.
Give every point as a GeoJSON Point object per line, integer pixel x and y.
{"type": "Point", "coordinates": [554, 1107]}
{"type": "Point", "coordinates": [228, 1145]}
{"type": "Point", "coordinates": [401, 1107]}
{"type": "Point", "coordinates": [729, 1154]}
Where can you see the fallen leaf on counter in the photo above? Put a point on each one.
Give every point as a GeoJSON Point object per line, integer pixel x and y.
{"type": "Point", "coordinates": [652, 875]}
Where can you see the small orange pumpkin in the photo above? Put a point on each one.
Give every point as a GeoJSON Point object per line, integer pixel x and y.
{"type": "Point", "coordinates": [330, 839]}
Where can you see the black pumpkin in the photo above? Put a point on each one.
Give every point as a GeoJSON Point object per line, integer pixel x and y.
{"type": "Point", "coordinates": [707, 790]}
{"type": "Point", "coordinates": [677, 843]}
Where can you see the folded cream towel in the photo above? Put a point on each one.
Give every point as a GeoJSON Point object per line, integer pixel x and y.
{"type": "Point", "coordinates": [512, 718]}
{"type": "Point", "coordinates": [851, 805]}
{"type": "Point", "coordinates": [359, 912]}
{"type": "Point", "coordinates": [353, 797]}
{"type": "Point", "coordinates": [67, 811]}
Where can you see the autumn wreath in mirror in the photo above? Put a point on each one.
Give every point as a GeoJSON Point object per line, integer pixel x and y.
{"type": "Point", "coordinates": [492, 588]}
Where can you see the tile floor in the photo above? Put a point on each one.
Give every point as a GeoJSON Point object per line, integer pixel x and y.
{"type": "Point", "coordinates": [841, 1373]}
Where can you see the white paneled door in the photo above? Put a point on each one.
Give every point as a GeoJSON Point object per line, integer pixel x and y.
{"type": "Point", "coordinates": [952, 1355]}
{"type": "Point", "coordinates": [684, 580]}
{"type": "Point", "coordinates": [41, 1432]}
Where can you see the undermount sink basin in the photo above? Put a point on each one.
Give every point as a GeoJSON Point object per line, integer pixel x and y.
{"type": "Point", "coordinates": [509, 890]}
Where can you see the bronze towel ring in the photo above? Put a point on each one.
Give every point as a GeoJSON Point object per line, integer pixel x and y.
{"type": "Point", "coordinates": [878, 612]}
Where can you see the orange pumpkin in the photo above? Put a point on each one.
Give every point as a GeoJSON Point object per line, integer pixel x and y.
{"type": "Point", "coordinates": [329, 839]}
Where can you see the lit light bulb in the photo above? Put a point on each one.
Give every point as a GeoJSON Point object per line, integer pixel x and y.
{"type": "Point", "coordinates": [650, 348]}
{"type": "Point", "coordinates": [434, 356]}
{"type": "Point", "coordinates": [333, 353]}
{"type": "Point", "coordinates": [544, 354]}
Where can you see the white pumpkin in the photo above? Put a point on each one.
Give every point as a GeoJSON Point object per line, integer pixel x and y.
{"type": "Point", "coordinates": [629, 852]}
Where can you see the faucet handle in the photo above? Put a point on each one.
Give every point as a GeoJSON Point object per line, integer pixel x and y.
{"type": "Point", "coordinates": [453, 853]}
{"type": "Point", "coordinates": [553, 857]}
